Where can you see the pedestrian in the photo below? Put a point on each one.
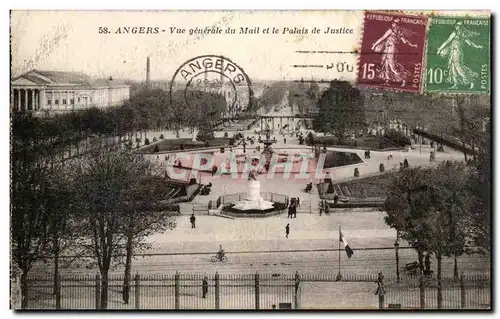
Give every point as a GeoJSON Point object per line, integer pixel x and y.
{"type": "Point", "coordinates": [289, 211]}
{"type": "Point", "coordinates": [192, 219]}
{"type": "Point", "coordinates": [284, 140]}
{"type": "Point", "coordinates": [298, 202]}
{"type": "Point", "coordinates": [294, 210]}
{"type": "Point", "coordinates": [205, 287]}
{"type": "Point", "coordinates": [287, 230]}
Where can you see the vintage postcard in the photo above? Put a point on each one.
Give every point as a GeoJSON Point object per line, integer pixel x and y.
{"type": "Point", "coordinates": [250, 160]}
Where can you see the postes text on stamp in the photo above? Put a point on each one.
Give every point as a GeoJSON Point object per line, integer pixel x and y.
{"type": "Point", "coordinates": [458, 55]}
{"type": "Point", "coordinates": [392, 51]}
{"type": "Point", "coordinates": [210, 81]}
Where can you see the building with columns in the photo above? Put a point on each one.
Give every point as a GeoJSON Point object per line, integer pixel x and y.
{"type": "Point", "coordinates": [64, 91]}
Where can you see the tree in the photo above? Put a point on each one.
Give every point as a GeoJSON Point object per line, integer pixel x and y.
{"type": "Point", "coordinates": [428, 207]}
{"type": "Point", "coordinates": [31, 174]}
{"type": "Point", "coordinates": [310, 139]}
{"type": "Point", "coordinates": [118, 208]}
{"type": "Point", "coordinates": [479, 186]}
{"type": "Point", "coordinates": [341, 110]}
{"type": "Point", "coordinates": [28, 226]}
{"type": "Point", "coordinates": [62, 224]}
{"type": "Point", "coordinates": [205, 133]}
{"type": "Point", "coordinates": [272, 95]}
{"type": "Point", "coordinates": [303, 96]}
{"type": "Point", "coordinates": [471, 130]}
{"type": "Point", "coordinates": [105, 180]}
{"type": "Point", "coordinates": [147, 213]}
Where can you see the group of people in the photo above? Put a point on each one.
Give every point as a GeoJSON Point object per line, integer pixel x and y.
{"type": "Point", "coordinates": [292, 207]}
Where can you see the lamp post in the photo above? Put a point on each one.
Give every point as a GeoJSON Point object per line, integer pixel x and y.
{"type": "Point", "coordinates": [396, 249]}
{"type": "Point", "coordinates": [421, 139]}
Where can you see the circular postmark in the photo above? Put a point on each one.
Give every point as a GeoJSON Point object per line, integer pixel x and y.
{"type": "Point", "coordinates": [205, 82]}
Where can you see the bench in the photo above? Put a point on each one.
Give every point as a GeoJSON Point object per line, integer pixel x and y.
{"type": "Point", "coordinates": [412, 267]}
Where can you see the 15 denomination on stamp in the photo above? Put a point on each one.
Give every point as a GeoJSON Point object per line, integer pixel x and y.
{"type": "Point", "coordinates": [392, 51]}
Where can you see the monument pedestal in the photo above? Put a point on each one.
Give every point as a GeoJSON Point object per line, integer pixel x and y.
{"type": "Point", "coordinates": [253, 200]}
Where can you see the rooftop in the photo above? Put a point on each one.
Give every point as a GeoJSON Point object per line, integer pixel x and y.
{"type": "Point", "coordinates": [60, 79]}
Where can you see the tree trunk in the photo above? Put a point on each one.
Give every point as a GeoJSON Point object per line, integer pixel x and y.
{"type": "Point", "coordinates": [428, 263]}
{"type": "Point", "coordinates": [128, 268]}
{"type": "Point", "coordinates": [465, 151]}
{"type": "Point", "coordinates": [455, 268]}
{"type": "Point", "coordinates": [24, 288]}
{"type": "Point", "coordinates": [104, 289]}
{"type": "Point", "coordinates": [421, 260]}
{"type": "Point", "coordinates": [56, 265]}
{"type": "Point", "coordinates": [439, 288]}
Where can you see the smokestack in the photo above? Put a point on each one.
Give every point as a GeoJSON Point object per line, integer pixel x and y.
{"type": "Point", "coordinates": [148, 72]}
{"type": "Point", "coordinates": [221, 76]}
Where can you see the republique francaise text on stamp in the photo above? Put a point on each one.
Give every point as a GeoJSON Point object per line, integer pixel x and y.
{"type": "Point", "coordinates": [392, 51]}
{"type": "Point", "coordinates": [458, 58]}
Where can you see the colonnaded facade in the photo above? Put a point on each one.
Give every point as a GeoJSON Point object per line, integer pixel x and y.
{"type": "Point", "coordinates": [64, 91]}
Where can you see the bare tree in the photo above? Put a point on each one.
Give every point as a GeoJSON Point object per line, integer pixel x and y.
{"type": "Point", "coordinates": [118, 209]}
{"type": "Point", "coordinates": [146, 214]}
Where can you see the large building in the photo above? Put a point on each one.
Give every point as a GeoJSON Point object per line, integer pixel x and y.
{"type": "Point", "coordinates": [64, 91]}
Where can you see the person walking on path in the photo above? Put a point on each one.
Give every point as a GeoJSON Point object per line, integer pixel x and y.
{"type": "Point", "coordinates": [192, 219]}
{"type": "Point", "coordinates": [205, 287]}
{"type": "Point", "coordinates": [287, 230]}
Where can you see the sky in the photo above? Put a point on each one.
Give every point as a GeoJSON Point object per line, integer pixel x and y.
{"type": "Point", "coordinates": [71, 41]}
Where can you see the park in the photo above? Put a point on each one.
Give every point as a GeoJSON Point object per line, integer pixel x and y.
{"type": "Point", "coordinates": [134, 216]}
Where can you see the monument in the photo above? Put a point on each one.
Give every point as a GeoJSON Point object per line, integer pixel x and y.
{"type": "Point", "coordinates": [253, 200]}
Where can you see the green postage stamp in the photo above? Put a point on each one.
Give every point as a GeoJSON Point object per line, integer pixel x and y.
{"type": "Point", "coordinates": [458, 55]}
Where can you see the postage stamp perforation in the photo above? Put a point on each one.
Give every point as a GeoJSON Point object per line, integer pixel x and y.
{"type": "Point", "coordinates": [392, 51]}
{"type": "Point", "coordinates": [358, 48]}
{"type": "Point", "coordinates": [458, 54]}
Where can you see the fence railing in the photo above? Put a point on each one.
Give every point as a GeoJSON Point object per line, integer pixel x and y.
{"type": "Point", "coordinates": [175, 291]}
{"type": "Point", "coordinates": [421, 292]}
{"type": "Point", "coordinates": [255, 291]}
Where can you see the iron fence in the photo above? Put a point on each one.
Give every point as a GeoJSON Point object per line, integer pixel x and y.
{"type": "Point", "coordinates": [259, 291]}
{"type": "Point", "coordinates": [421, 292]}
{"type": "Point", "coordinates": [159, 292]}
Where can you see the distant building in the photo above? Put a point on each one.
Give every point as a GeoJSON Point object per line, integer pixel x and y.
{"type": "Point", "coordinates": [64, 91]}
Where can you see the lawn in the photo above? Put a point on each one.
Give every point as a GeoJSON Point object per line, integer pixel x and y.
{"type": "Point", "coordinates": [375, 186]}
{"type": "Point", "coordinates": [184, 144]}
{"type": "Point", "coordinates": [336, 159]}
{"type": "Point", "coordinates": [368, 142]}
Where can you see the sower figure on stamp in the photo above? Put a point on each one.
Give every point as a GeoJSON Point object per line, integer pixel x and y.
{"type": "Point", "coordinates": [453, 50]}
{"type": "Point", "coordinates": [390, 69]}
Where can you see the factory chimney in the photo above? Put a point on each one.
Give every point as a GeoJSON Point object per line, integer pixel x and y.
{"type": "Point", "coordinates": [148, 72]}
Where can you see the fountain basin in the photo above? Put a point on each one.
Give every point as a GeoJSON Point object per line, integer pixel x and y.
{"type": "Point", "coordinates": [253, 205]}
{"type": "Point", "coordinates": [248, 212]}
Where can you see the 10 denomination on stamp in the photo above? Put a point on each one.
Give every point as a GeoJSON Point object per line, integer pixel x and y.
{"type": "Point", "coordinates": [458, 55]}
